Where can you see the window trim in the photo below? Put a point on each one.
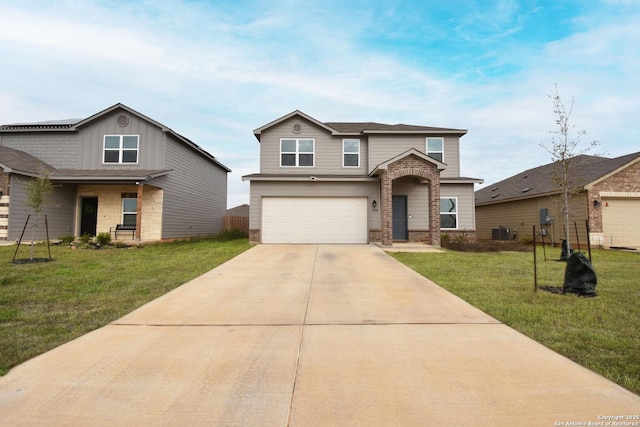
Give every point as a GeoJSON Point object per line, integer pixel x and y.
{"type": "Point", "coordinates": [297, 153]}
{"type": "Point", "coordinates": [121, 149]}
{"type": "Point", "coordinates": [456, 213]}
{"type": "Point", "coordinates": [426, 142]}
{"type": "Point", "coordinates": [344, 153]}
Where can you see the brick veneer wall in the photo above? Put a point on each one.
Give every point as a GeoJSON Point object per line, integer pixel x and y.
{"type": "Point", "coordinates": [4, 183]}
{"type": "Point", "coordinates": [625, 181]}
{"type": "Point", "coordinates": [411, 165]}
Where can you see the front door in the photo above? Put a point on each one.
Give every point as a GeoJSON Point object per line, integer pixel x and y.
{"type": "Point", "coordinates": [88, 215]}
{"type": "Point", "coordinates": [400, 231]}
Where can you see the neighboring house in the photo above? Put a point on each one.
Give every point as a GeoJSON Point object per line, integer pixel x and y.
{"type": "Point", "coordinates": [115, 167]}
{"type": "Point", "coordinates": [239, 211]}
{"type": "Point", "coordinates": [358, 183]}
{"type": "Point", "coordinates": [607, 194]}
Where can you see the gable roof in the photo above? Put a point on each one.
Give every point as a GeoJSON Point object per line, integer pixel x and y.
{"type": "Point", "coordinates": [411, 151]}
{"type": "Point", "coordinates": [361, 128]}
{"type": "Point", "coordinates": [16, 161]}
{"type": "Point", "coordinates": [72, 125]}
{"type": "Point", "coordinates": [536, 182]}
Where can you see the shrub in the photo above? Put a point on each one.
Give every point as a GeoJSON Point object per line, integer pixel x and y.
{"type": "Point", "coordinates": [65, 240]}
{"type": "Point", "coordinates": [85, 238]}
{"type": "Point", "coordinates": [103, 238]}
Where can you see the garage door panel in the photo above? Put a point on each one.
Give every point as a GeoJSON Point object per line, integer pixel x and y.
{"type": "Point", "coordinates": [621, 222]}
{"type": "Point", "coordinates": [314, 220]}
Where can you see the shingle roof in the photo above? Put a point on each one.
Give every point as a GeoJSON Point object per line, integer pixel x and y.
{"type": "Point", "coordinates": [48, 124]}
{"type": "Point", "coordinates": [12, 160]}
{"type": "Point", "coordinates": [539, 181]}
{"type": "Point", "coordinates": [363, 127]}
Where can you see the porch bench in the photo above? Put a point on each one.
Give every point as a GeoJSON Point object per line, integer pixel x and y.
{"type": "Point", "coordinates": [123, 227]}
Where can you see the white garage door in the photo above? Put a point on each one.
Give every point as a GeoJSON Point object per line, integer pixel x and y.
{"type": "Point", "coordinates": [314, 220]}
{"type": "Point", "coordinates": [621, 222]}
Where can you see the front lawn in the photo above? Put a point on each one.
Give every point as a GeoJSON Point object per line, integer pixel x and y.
{"type": "Point", "coordinates": [601, 333]}
{"type": "Point", "coordinates": [43, 305]}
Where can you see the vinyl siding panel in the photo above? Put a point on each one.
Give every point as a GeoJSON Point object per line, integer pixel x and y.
{"type": "Point", "coordinates": [385, 147]}
{"type": "Point", "coordinates": [195, 194]}
{"type": "Point", "coordinates": [521, 215]}
{"type": "Point", "coordinates": [60, 211]}
{"type": "Point", "coordinates": [328, 150]}
{"type": "Point", "coordinates": [57, 149]}
{"type": "Point", "coordinates": [417, 202]}
{"type": "Point", "coordinates": [371, 190]}
{"type": "Point", "coordinates": [466, 211]}
{"type": "Point", "coordinates": [151, 143]}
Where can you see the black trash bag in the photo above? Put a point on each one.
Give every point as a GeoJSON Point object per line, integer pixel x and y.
{"type": "Point", "coordinates": [565, 251]}
{"type": "Point", "coordinates": [579, 276]}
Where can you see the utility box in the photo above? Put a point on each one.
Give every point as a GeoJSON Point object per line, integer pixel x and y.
{"type": "Point", "coordinates": [500, 233]}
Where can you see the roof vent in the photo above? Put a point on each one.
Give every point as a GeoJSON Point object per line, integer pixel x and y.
{"type": "Point", "coordinates": [526, 189]}
{"type": "Point", "coordinates": [495, 195]}
{"type": "Point", "coordinates": [122, 120]}
{"type": "Point", "coordinates": [297, 128]}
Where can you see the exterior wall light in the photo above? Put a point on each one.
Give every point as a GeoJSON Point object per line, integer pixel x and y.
{"type": "Point", "coordinates": [596, 204]}
{"type": "Point", "coordinates": [374, 204]}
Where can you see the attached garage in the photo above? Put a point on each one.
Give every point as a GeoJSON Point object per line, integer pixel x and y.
{"type": "Point", "coordinates": [314, 220]}
{"type": "Point", "coordinates": [621, 222]}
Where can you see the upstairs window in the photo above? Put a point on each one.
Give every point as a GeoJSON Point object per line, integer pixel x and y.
{"type": "Point", "coordinates": [435, 148]}
{"type": "Point", "coordinates": [449, 212]}
{"type": "Point", "coordinates": [120, 149]}
{"type": "Point", "coordinates": [350, 152]}
{"type": "Point", "coordinates": [297, 152]}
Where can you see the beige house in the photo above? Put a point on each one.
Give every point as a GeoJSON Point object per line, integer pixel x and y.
{"type": "Point", "coordinates": [607, 195]}
{"type": "Point", "coordinates": [346, 182]}
{"type": "Point", "coordinates": [115, 168]}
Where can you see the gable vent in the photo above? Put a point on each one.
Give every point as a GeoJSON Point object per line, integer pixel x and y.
{"type": "Point", "coordinates": [297, 128]}
{"type": "Point", "coordinates": [122, 120]}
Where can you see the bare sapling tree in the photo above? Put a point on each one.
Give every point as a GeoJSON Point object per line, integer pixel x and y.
{"type": "Point", "coordinates": [565, 144]}
{"type": "Point", "coordinates": [38, 189]}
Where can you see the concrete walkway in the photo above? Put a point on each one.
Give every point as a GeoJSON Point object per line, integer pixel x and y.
{"type": "Point", "coordinates": [307, 336]}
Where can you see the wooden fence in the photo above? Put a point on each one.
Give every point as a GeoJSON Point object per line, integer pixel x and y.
{"type": "Point", "coordinates": [240, 223]}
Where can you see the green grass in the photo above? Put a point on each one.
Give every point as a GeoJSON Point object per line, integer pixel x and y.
{"type": "Point", "coordinates": [43, 305]}
{"type": "Point", "coordinates": [601, 333]}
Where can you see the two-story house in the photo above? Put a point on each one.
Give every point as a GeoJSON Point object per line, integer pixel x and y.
{"type": "Point", "coordinates": [115, 167]}
{"type": "Point", "coordinates": [344, 182]}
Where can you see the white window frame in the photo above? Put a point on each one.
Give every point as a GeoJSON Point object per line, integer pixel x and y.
{"type": "Point", "coordinates": [130, 213]}
{"type": "Point", "coordinates": [121, 149]}
{"type": "Point", "coordinates": [455, 213]}
{"type": "Point", "coordinates": [345, 153]}
{"type": "Point", "coordinates": [435, 152]}
{"type": "Point", "coordinates": [297, 153]}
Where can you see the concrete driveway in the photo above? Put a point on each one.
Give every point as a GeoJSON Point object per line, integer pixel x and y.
{"type": "Point", "coordinates": [307, 335]}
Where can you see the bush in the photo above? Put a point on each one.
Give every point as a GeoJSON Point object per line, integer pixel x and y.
{"type": "Point", "coordinates": [103, 238]}
{"type": "Point", "coordinates": [65, 240]}
{"type": "Point", "coordinates": [85, 238]}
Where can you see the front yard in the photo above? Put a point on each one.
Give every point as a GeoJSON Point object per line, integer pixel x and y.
{"type": "Point", "coordinates": [43, 305]}
{"type": "Point", "coordinates": [601, 333]}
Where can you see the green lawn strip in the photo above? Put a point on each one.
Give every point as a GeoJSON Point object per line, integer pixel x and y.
{"type": "Point", "coordinates": [599, 333]}
{"type": "Point", "coordinates": [43, 305]}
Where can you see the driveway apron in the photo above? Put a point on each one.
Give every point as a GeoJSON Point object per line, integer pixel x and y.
{"type": "Point", "coordinates": [308, 335]}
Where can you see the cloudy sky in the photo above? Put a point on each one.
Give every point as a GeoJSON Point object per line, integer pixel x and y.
{"type": "Point", "coordinates": [215, 70]}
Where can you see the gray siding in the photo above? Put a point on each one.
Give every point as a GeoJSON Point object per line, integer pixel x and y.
{"type": "Point", "coordinates": [60, 212]}
{"type": "Point", "coordinates": [152, 142]}
{"type": "Point", "coordinates": [328, 150]}
{"type": "Point", "coordinates": [195, 194]}
{"type": "Point", "coordinates": [417, 201]}
{"type": "Point", "coordinates": [385, 147]}
{"type": "Point", "coordinates": [466, 204]}
{"type": "Point", "coordinates": [57, 149]}
{"type": "Point", "coordinates": [371, 190]}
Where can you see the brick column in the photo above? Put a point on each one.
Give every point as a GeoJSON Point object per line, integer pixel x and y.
{"type": "Point", "coordinates": [434, 210]}
{"type": "Point", "coordinates": [386, 205]}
